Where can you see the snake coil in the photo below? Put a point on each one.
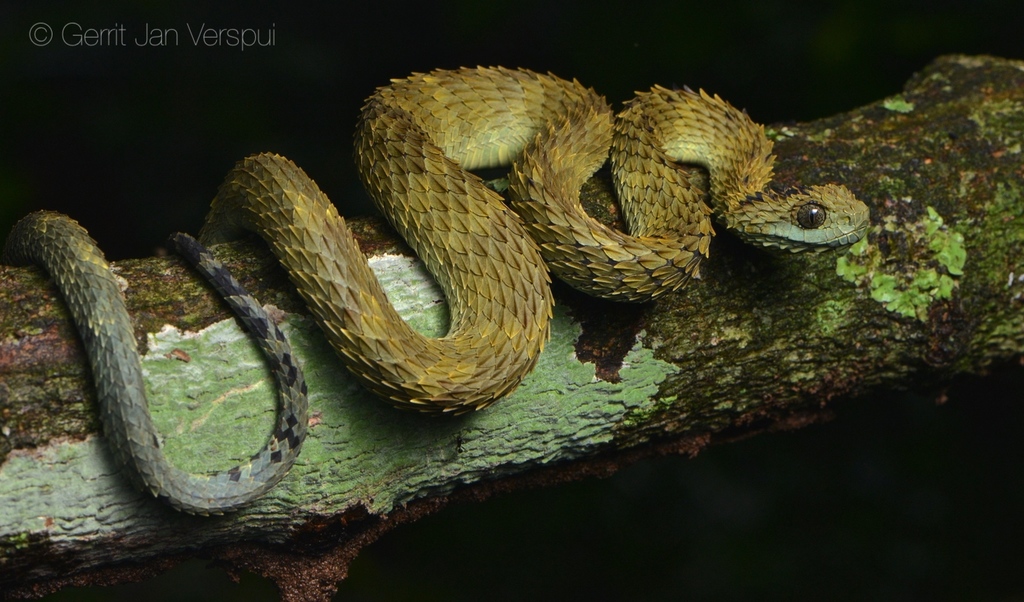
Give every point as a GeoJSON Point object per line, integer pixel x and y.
{"type": "Point", "coordinates": [416, 141]}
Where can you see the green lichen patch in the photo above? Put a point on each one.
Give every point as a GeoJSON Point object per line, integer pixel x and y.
{"type": "Point", "coordinates": [820, 136]}
{"type": "Point", "coordinates": [830, 317]}
{"type": "Point", "coordinates": [1001, 229]}
{"type": "Point", "coordinates": [898, 104]}
{"type": "Point", "coordinates": [644, 414]}
{"type": "Point", "coordinates": [413, 292]}
{"type": "Point", "coordinates": [560, 411]}
{"type": "Point", "coordinates": [936, 261]}
{"type": "Point", "coordinates": [779, 134]}
{"type": "Point", "coordinates": [1002, 122]}
{"type": "Point", "coordinates": [212, 410]}
{"type": "Point", "coordinates": [892, 186]}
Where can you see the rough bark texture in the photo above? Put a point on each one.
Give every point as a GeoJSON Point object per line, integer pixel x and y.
{"type": "Point", "coordinates": [760, 342]}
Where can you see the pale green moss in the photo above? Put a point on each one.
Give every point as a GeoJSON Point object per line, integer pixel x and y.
{"type": "Point", "coordinates": [1007, 201]}
{"type": "Point", "coordinates": [966, 182]}
{"type": "Point", "coordinates": [725, 406]}
{"type": "Point", "coordinates": [779, 134]}
{"type": "Point", "coordinates": [830, 316]}
{"type": "Point", "coordinates": [19, 541]}
{"type": "Point", "coordinates": [898, 104]}
{"type": "Point", "coordinates": [1001, 264]}
{"type": "Point", "coordinates": [948, 246]}
{"type": "Point", "coordinates": [216, 409]}
{"type": "Point", "coordinates": [910, 289]}
{"type": "Point", "coordinates": [1002, 122]}
{"type": "Point", "coordinates": [821, 136]}
{"type": "Point", "coordinates": [891, 186]}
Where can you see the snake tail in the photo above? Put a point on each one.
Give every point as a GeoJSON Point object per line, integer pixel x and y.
{"type": "Point", "coordinates": [92, 295]}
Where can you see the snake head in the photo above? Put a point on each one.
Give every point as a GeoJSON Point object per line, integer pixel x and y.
{"type": "Point", "coordinates": [815, 218]}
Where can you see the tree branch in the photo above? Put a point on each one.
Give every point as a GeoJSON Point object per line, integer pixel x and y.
{"type": "Point", "coordinates": [760, 342]}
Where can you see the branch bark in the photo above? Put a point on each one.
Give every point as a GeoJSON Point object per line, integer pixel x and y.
{"type": "Point", "coordinates": [761, 342]}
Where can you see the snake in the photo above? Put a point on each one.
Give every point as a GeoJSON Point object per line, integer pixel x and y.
{"type": "Point", "coordinates": [91, 292]}
{"type": "Point", "coordinates": [418, 142]}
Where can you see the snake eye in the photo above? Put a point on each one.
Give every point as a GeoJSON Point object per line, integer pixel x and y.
{"type": "Point", "coordinates": [810, 216]}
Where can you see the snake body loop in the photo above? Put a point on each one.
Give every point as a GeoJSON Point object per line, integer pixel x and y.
{"type": "Point", "coordinates": [415, 141]}
{"type": "Point", "coordinates": [65, 250]}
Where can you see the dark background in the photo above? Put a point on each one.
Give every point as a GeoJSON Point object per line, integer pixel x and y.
{"type": "Point", "coordinates": [899, 498]}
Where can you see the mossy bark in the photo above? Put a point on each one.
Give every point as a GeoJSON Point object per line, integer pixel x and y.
{"type": "Point", "coordinates": [760, 342]}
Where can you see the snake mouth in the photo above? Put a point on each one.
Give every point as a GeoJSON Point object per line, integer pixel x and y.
{"type": "Point", "coordinates": [787, 237]}
{"type": "Point", "coordinates": [849, 239]}
{"type": "Point", "coordinates": [839, 242]}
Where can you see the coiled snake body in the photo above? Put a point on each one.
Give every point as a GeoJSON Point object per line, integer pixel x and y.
{"type": "Point", "coordinates": [415, 142]}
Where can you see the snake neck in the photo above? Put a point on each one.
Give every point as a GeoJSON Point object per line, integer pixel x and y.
{"type": "Point", "coordinates": [656, 198]}
{"type": "Point", "coordinates": [700, 129]}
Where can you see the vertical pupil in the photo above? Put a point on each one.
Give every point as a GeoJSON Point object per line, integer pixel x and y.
{"type": "Point", "coordinates": [810, 216]}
